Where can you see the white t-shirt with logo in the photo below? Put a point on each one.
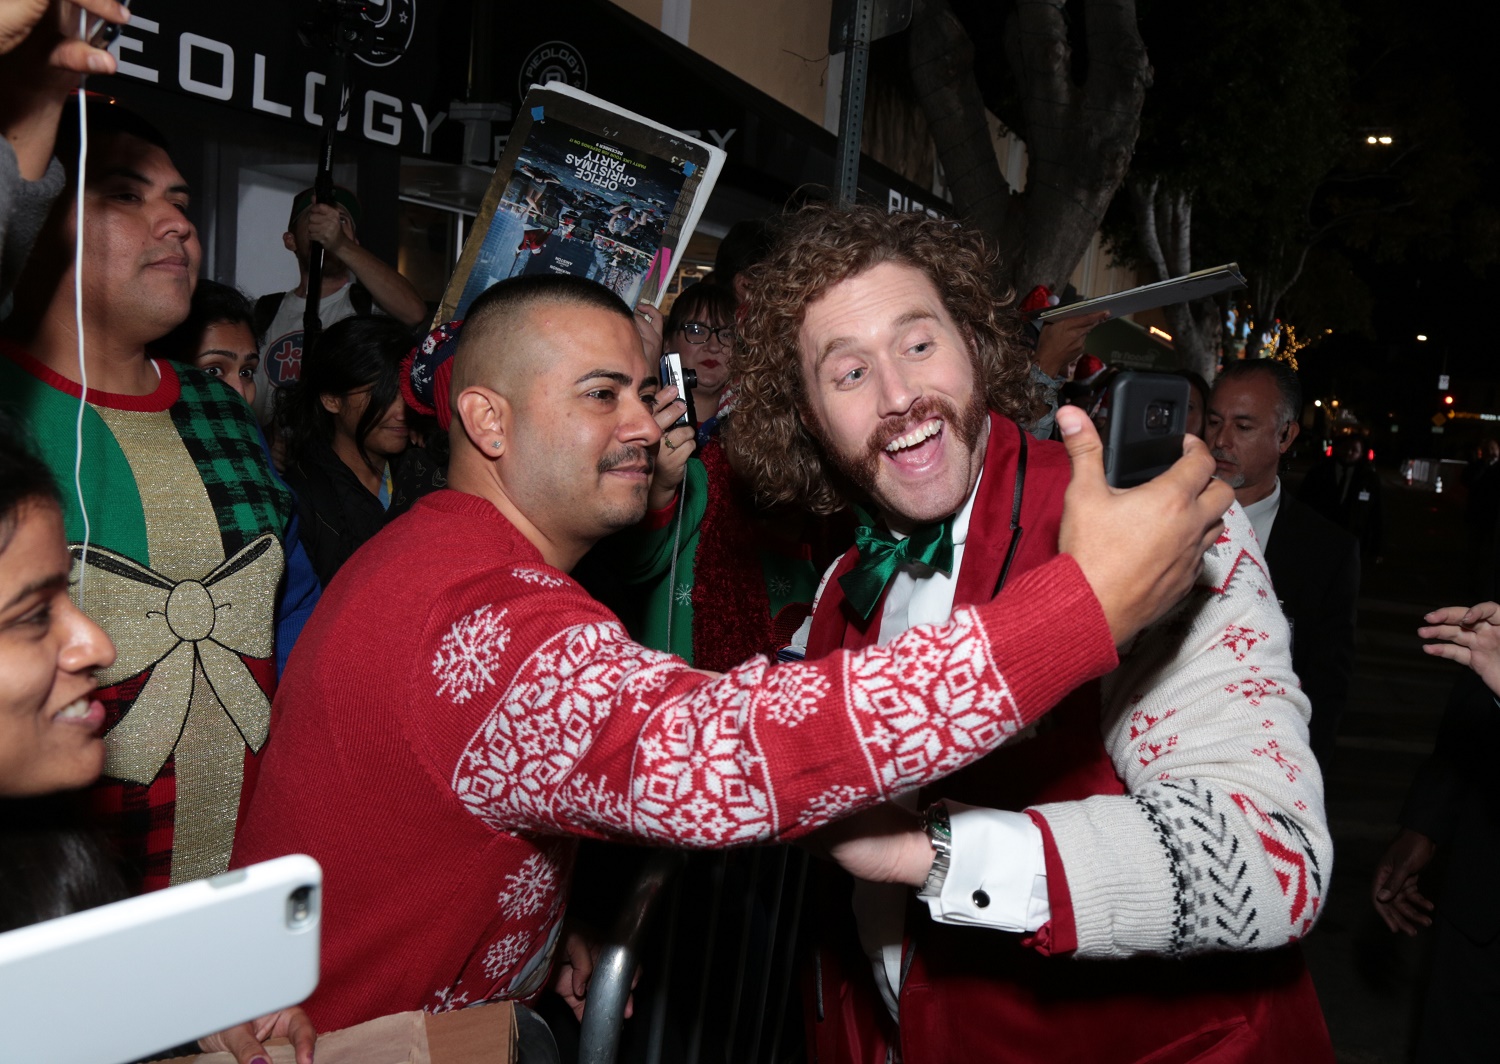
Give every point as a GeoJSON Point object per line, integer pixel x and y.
{"type": "Point", "coordinates": [281, 355]}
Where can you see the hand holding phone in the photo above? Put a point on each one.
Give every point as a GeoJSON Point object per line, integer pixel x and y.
{"type": "Point", "coordinates": [164, 968]}
{"type": "Point", "coordinates": [105, 27]}
{"type": "Point", "coordinates": [684, 380]}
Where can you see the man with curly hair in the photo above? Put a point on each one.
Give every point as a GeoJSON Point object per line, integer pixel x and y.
{"type": "Point", "coordinates": [1174, 812]}
{"type": "Point", "coordinates": [512, 714]}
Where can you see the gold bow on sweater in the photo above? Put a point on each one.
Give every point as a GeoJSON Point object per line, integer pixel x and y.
{"type": "Point", "coordinates": [201, 701]}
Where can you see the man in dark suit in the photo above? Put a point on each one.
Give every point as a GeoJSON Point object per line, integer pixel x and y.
{"type": "Point", "coordinates": [1252, 420]}
{"type": "Point", "coordinates": [1345, 488]}
{"type": "Point", "coordinates": [1453, 806]}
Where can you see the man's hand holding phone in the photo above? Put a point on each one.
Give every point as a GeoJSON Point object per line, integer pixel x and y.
{"type": "Point", "coordinates": [677, 445]}
{"type": "Point", "coordinates": [52, 27]}
{"type": "Point", "coordinates": [1140, 548]}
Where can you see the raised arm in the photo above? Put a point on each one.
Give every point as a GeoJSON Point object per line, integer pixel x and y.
{"type": "Point", "coordinates": [392, 293]}
{"type": "Point", "coordinates": [597, 735]}
{"type": "Point", "coordinates": [1221, 840]}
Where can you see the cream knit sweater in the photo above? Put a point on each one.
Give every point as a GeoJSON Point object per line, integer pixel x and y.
{"type": "Point", "coordinates": [1221, 840]}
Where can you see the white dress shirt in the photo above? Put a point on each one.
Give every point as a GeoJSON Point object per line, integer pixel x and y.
{"type": "Point", "coordinates": [997, 877]}
{"type": "Point", "coordinates": [1262, 515]}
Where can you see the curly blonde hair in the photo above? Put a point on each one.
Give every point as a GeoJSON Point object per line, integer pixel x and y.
{"type": "Point", "coordinates": [768, 439]}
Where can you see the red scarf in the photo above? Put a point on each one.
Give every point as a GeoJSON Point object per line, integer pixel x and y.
{"type": "Point", "coordinates": [731, 609]}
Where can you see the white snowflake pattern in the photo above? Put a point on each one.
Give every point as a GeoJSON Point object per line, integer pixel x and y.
{"type": "Point", "coordinates": [791, 694]}
{"type": "Point", "coordinates": [684, 594]}
{"type": "Point", "coordinates": [469, 656]}
{"type": "Point", "coordinates": [832, 804]}
{"type": "Point", "coordinates": [596, 806]}
{"type": "Point", "coordinates": [530, 889]}
{"type": "Point", "coordinates": [447, 1001]}
{"type": "Point", "coordinates": [699, 822]}
{"type": "Point", "coordinates": [504, 955]}
{"type": "Point", "coordinates": [779, 586]}
{"type": "Point", "coordinates": [546, 722]}
{"type": "Point", "coordinates": [532, 576]}
{"type": "Point", "coordinates": [929, 702]}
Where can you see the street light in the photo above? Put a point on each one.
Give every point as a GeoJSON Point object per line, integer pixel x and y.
{"type": "Point", "coordinates": [1421, 338]}
{"type": "Point", "coordinates": [1318, 403]}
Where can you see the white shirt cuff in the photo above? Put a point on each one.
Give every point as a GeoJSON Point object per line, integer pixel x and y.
{"type": "Point", "coordinates": [997, 877]}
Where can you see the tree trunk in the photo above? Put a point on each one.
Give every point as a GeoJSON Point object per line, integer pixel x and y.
{"type": "Point", "coordinates": [942, 70]}
{"type": "Point", "coordinates": [1079, 137]}
{"type": "Point", "coordinates": [1164, 226]}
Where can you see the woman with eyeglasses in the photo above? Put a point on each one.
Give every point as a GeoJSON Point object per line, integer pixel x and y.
{"type": "Point", "coordinates": [700, 328]}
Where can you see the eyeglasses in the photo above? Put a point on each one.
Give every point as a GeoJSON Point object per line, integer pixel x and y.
{"type": "Point", "coordinates": [698, 333]}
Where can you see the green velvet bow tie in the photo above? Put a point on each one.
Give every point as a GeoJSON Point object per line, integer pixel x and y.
{"type": "Point", "coordinates": [880, 557]}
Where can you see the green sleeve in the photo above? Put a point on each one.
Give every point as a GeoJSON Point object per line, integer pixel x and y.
{"type": "Point", "coordinates": [644, 555]}
{"type": "Point", "coordinates": [641, 559]}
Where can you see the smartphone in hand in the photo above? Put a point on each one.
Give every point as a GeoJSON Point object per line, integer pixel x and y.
{"type": "Point", "coordinates": [1142, 421]}
{"type": "Point", "coordinates": [674, 376]}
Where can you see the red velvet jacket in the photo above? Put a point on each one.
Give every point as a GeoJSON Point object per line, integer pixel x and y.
{"type": "Point", "coordinates": [977, 995]}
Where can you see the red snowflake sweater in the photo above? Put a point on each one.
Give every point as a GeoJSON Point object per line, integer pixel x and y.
{"type": "Point", "coordinates": [456, 709]}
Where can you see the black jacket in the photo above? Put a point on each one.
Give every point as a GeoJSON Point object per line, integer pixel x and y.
{"type": "Point", "coordinates": [1453, 801]}
{"type": "Point", "coordinates": [1349, 496]}
{"type": "Point", "coordinates": [338, 512]}
{"type": "Point", "coordinates": [1315, 569]}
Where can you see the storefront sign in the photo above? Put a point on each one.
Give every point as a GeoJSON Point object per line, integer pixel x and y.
{"type": "Point", "coordinates": [250, 58]}
{"type": "Point", "coordinates": [409, 86]}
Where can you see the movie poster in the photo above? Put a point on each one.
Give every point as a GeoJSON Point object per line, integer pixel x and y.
{"type": "Point", "coordinates": [588, 190]}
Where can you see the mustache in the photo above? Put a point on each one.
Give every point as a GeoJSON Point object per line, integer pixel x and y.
{"type": "Point", "coordinates": [924, 409]}
{"type": "Point", "coordinates": [1221, 456]}
{"type": "Point", "coordinates": [628, 457]}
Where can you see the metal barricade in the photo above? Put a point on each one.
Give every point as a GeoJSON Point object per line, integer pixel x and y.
{"type": "Point", "coordinates": [721, 962]}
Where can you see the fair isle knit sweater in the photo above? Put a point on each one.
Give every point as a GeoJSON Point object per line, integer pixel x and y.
{"type": "Point", "coordinates": [1220, 841]}
{"type": "Point", "coordinates": [457, 712]}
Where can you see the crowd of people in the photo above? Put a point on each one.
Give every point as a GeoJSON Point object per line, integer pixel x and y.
{"type": "Point", "coordinates": [434, 610]}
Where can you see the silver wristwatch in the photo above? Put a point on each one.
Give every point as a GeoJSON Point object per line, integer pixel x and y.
{"type": "Point", "coordinates": [940, 835]}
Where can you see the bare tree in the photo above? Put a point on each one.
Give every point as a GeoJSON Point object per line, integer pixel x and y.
{"type": "Point", "coordinates": [1080, 120]}
{"type": "Point", "coordinates": [1164, 225]}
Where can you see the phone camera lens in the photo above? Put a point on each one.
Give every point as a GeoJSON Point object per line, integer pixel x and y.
{"type": "Point", "coordinates": [301, 908]}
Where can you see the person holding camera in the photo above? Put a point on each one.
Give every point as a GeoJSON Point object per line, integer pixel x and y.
{"type": "Point", "coordinates": [356, 281]}
{"type": "Point", "coordinates": [717, 579]}
{"type": "Point", "coordinates": [1176, 812]}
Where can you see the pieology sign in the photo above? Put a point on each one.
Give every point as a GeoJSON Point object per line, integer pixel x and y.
{"type": "Point", "coordinates": [255, 62]}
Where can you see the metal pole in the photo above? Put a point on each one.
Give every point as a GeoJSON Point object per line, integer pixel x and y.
{"type": "Point", "coordinates": [852, 114]}
{"type": "Point", "coordinates": [609, 987]}
{"type": "Point", "coordinates": [333, 113]}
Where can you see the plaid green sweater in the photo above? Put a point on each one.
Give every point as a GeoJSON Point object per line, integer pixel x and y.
{"type": "Point", "coordinates": [185, 569]}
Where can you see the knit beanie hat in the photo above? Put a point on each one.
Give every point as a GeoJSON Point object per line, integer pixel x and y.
{"type": "Point", "coordinates": [427, 372]}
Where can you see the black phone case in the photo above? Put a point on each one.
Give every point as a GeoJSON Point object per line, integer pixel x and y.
{"type": "Point", "coordinates": [1134, 452]}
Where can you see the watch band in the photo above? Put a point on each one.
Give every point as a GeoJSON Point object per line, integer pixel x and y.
{"type": "Point", "coordinates": [940, 834]}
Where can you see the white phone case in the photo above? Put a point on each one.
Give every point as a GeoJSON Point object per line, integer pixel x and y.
{"type": "Point", "coordinates": [122, 981]}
